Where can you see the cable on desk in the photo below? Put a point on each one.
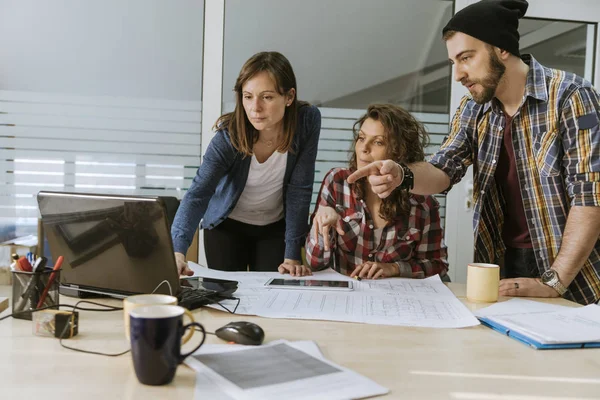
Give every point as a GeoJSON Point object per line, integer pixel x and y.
{"type": "Point", "coordinates": [160, 284]}
{"type": "Point", "coordinates": [227, 309]}
{"type": "Point", "coordinates": [106, 308]}
{"type": "Point", "coordinates": [76, 307]}
{"type": "Point", "coordinates": [57, 306]}
{"type": "Point", "coordinates": [90, 351]}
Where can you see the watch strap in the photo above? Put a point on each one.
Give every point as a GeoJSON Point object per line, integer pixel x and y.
{"type": "Point", "coordinates": [555, 283]}
{"type": "Point", "coordinates": [408, 178]}
{"type": "Point", "coordinates": [559, 287]}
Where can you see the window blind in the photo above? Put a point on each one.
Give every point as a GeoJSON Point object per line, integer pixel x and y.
{"type": "Point", "coordinates": [93, 144]}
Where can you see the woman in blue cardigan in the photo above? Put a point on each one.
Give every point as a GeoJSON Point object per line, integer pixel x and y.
{"type": "Point", "coordinates": [253, 189]}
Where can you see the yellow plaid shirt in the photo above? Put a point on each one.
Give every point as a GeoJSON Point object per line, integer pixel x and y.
{"type": "Point", "coordinates": [556, 140]}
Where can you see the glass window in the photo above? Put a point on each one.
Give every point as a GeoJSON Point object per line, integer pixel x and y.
{"type": "Point", "coordinates": [347, 55]}
{"type": "Point", "coordinates": [558, 44]}
{"type": "Point", "coordinates": [97, 96]}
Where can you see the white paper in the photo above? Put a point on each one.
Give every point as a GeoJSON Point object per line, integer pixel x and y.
{"type": "Point", "coordinates": [207, 388]}
{"type": "Point", "coordinates": [372, 308]}
{"type": "Point", "coordinates": [432, 286]}
{"type": "Point", "coordinates": [406, 302]}
{"type": "Point", "coordinates": [517, 306]}
{"type": "Point", "coordinates": [325, 379]}
{"type": "Point", "coordinates": [258, 279]}
{"type": "Point", "coordinates": [250, 287]}
{"type": "Point", "coordinates": [307, 346]}
{"type": "Point", "coordinates": [569, 325]}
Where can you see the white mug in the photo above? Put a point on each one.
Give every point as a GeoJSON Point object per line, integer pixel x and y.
{"type": "Point", "coordinates": [131, 302]}
{"type": "Point", "coordinates": [482, 282]}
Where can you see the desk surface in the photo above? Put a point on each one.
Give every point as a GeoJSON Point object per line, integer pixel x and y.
{"type": "Point", "coordinates": [414, 363]}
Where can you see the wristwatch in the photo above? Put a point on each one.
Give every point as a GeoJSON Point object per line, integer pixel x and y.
{"type": "Point", "coordinates": [550, 278]}
{"type": "Point", "coordinates": [408, 181]}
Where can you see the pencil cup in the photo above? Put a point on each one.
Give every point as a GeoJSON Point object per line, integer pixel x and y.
{"type": "Point", "coordinates": [482, 282]}
{"type": "Point", "coordinates": [33, 290]}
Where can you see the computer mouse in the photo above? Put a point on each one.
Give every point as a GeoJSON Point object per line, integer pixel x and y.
{"type": "Point", "coordinates": [241, 332]}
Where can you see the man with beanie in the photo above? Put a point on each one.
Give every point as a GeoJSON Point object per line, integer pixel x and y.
{"type": "Point", "coordinates": [532, 135]}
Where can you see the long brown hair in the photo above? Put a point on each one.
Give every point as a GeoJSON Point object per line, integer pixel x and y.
{"type": "Point", "coordinates": [406, 142]}
{"type": "Point", "coordinates": [242, 133]}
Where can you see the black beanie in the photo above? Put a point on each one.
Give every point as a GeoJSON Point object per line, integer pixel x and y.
{"type": "Point", "coordinates": [495, 22]}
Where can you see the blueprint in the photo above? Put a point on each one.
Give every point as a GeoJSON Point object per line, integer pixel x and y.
{"type": "Point", "coordinates": [396, 301]}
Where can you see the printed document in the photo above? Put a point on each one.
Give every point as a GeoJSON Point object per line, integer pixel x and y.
{"type": "Point", "coordinates": [405, 302]}
{"type": "Point", "coordinates": [280, 370]}
{"type": "Point", "coordinates": [517, 306]}
{"type": "Point", "coordinates": [207, 388]}
{"type": "Point", "coordinates": [373, 308]}
{"type": "Point", "coordinates": [547, 324]}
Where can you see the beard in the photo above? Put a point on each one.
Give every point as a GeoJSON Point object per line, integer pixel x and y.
{"type": "Point", "coordinates": [491, 81]}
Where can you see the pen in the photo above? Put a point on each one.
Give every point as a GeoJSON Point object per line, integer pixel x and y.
{"type": "Point", "coordinates": [34, 294]}
{"type": "Point", "coordinates": [358, 278]}
{"type": "Point", "coordinates": [30, 291]}
{"type": "Point", "coordinates": [59, 262]}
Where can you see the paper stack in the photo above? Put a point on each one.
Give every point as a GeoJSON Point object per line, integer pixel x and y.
{"type": "Point", "coordinates": [278, 370]}
{"type": "Point", "coordinates": [544, 326]}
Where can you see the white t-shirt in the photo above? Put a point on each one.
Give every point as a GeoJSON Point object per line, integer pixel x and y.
{"type": "Point", "coordinates": [377, 233]}
{"type": "Point", "coordinates": [261, 202]}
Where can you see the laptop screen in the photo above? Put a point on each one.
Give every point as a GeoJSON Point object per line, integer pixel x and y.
{"type": "Point", "coordinates": [111, 244]}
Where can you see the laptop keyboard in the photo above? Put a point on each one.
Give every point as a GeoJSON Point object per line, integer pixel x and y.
{"type": "Point", "coordinates": [194, 298]}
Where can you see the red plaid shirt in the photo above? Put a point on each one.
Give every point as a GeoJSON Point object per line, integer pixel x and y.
{"type": "Point", "coordinates": [414, 242]}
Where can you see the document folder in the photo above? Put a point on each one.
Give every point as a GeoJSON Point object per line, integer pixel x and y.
{"type": "Point", "coordinates": [544, 326]}
{"type": "Point", "coordinates": [532, 342]}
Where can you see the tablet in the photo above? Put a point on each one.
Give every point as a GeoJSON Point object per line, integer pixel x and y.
{"type": "Point", "coordinates": [222, 286]}
{"type": "Point", "coordinates": [311, 284]}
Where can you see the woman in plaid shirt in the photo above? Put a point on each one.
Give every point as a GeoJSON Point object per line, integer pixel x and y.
{"type": "Point", "coordinates": [360, 234]}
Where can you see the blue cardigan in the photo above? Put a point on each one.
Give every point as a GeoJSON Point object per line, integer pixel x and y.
{"type": "Point", "coordinates": [221, 179]}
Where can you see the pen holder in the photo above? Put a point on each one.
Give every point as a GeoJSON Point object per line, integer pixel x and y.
{"type": "Point", "coordinates": [31, 288]}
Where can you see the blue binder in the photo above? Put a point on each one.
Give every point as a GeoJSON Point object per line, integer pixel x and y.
{"type": "Point", "coordinates": [531, 342]}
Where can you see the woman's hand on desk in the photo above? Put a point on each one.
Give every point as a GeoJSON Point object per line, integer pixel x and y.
{"type": "Point", "coordinates": [294, 268]}
{"type": "Point", "coordinates": [182, 265]}
{"type": "Point", "coordinates": [375, 270]}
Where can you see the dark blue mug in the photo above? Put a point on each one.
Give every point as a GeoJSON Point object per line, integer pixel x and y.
{"type": "Point", "coordinates": [155, 334]}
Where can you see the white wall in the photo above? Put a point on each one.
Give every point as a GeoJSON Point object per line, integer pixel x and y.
{"type": "Point", "coordinates": [331, 44]}
{"type": "Point", "coordinates": [133, 48]}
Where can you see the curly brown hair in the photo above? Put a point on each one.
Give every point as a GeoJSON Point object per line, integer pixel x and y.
{"type": "Point", "coordinates": [406, 141]}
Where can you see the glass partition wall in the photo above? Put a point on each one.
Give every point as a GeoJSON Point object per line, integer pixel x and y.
{"type": "Point", "coordinates": [108, 97]}
{"type": "Point", "coordinates": [347, 55]}
{"type": "Point", "coordinates": [97, 96]}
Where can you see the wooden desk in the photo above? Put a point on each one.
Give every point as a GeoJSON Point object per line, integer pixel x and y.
{"type": "Point", "coordinates": [414, 363]}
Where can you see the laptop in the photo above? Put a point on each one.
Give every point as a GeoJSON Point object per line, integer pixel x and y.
{"type": "Point", "coordinates": [118, 246]}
